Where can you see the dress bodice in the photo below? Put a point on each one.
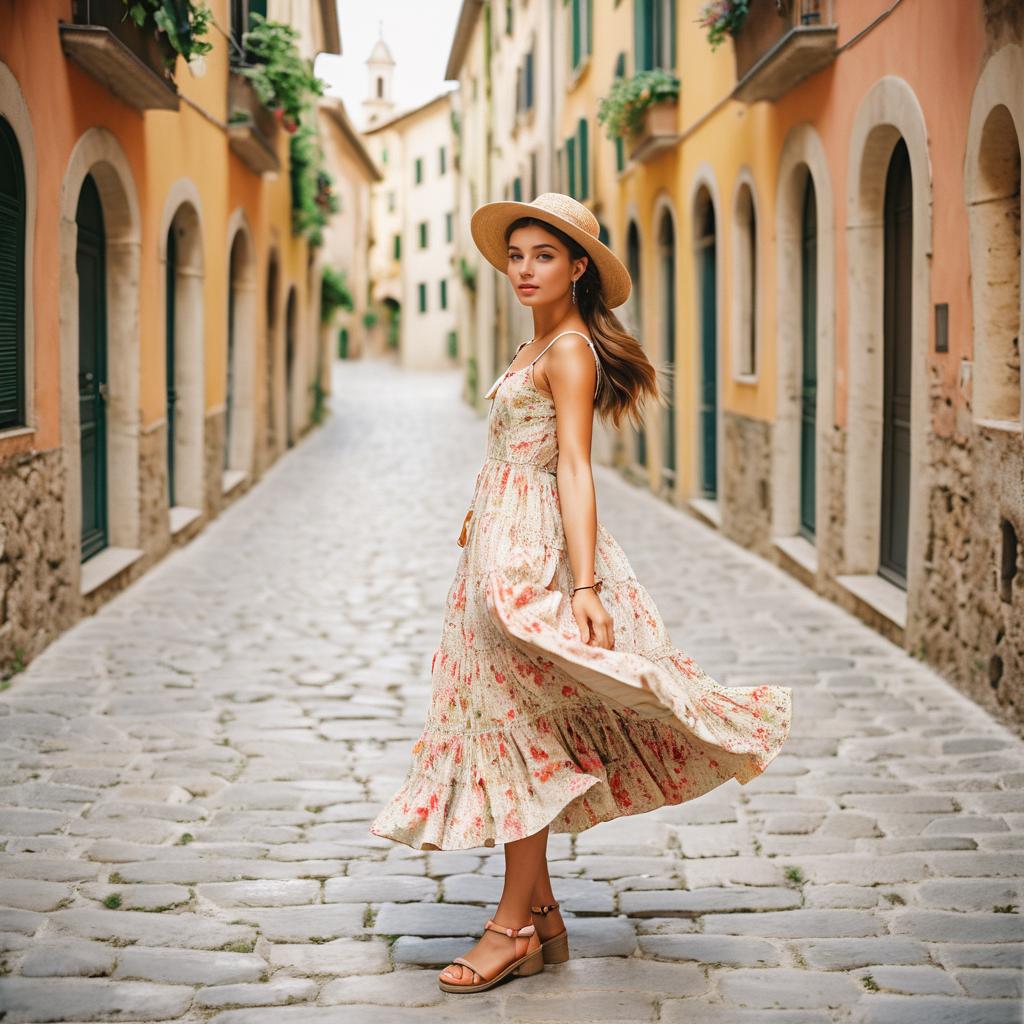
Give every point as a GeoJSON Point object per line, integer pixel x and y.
{"type": "Point", "coordinates": [521, 423]}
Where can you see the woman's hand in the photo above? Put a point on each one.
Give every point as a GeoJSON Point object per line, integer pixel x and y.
{"type": "Point", "coordinates": [593, 620]}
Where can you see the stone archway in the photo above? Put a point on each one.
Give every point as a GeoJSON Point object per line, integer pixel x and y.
{"type": "Point", "coordinates": [803, 158]}
{"type": "Point", "coordinates": [99, 155]}
{"type": "Point", "coordinates": [890, 112]}
{"type": "Point", "coordinates": [240, 358]}
{"type": "Point", "coordinates": [744, 292]}
{"type": "Point", "coordinates": [707, 423]}
{"type": "Point", "coordinates": [992, 192]}
{"type": "Point", "coordinates": [182, 272]}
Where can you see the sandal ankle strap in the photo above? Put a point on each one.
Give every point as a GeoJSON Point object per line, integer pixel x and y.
{"type": "Point", "coordinates": [512, 933]}
{"type": "Point", "coordinates": [545, 909]}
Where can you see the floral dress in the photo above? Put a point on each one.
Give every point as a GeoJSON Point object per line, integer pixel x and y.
{"type": "Point", "coordinates": [528, 725]}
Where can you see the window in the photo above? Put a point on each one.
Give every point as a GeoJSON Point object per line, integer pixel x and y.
{"type": "Point", "coordinates": [444, 294]}
{"type": "Point", "coordinates": [449, 227]}
{"type": "Point", "coordinates": [533, 174]}
{"type": "Point", "coordinates": [384, 155]}
{"type": "Point", "coordinates": [654, 34]}
{"type": "Point", "coordinates": [419, 170]}
{"type": "Point", "coordinates": [508, 17]}
{"type": "Point", "coordinates": [391, 202]}
{"type": "Point", "coordinates": [524, 84]}
{"type": "Point", "coordinates": [423, 234]}
{"type": "Point", "coordinates": [12, 280]}
{"type": "Point", "coordinates": [423, 298]}
{"type": "Point", "coordinates": [398, 247]}
{"type": "Point", "coordinates": [453, 344]}
{"type": "Point", "coordinates": [517, 190]}
{"type": "Point", "coordinates": [582, 36]}
{"type": "Point", "coordinates": [441, 161]}
{"type": "Point", "coordinates": [570, 166]}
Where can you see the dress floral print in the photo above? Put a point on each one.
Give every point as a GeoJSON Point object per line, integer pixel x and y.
{"type": "Point", "coordinates": [528, 725]}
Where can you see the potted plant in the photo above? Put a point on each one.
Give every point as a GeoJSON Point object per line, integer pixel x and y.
{"type": "Point", "coordinates": [182, 25]}
{"type": "Point", "coordinates": [720, 18]}
{"type": "Point", "coordinates": [642, 109]}
{"type": "Point", "coordinates": [282, 77]}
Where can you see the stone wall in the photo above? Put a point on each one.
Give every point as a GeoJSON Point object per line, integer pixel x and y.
{"type": "Point", "coordinates": [747, 482]}
{"type": "Point", "coordinates": [969, 625]}
{"type": "Point", "coordinates": [37, 601]}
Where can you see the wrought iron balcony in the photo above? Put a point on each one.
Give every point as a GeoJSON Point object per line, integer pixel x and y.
{"type": "Point", "coordinates": [780, 43]}
{"type": "Point", "coordinates": [133, 63]}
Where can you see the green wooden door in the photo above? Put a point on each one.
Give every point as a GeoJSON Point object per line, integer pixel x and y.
{"type": "Point", "coordinates": [708, 405]}
{"type": "Point", "coordinates": [809, 359]}
{"type": "Point", "coordinates": [90, 261]}
{"type": "Point", "coordinates": [12, 280]}
{"type": "Point", "coordinates": [289, 367]}
{"type": "Point", "coordinates": [636, 302]}
{"type": "Point", "coordinates": [229, 399]}
{"type": "Point", "coordinates": [667, 254]}
{"type": "Point", "coordinates": [898, 291]}
{"type": "Point", "coordinates": [172, 395]}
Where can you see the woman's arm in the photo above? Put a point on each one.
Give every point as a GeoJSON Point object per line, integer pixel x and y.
{"type": "Point", "coordinates": [571, 377]}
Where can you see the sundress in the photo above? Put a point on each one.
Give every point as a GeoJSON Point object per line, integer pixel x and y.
{"type": "Point", "coordinates": [528, 725]}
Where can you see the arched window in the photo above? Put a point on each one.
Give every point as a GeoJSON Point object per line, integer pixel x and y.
{"type": "Point", "coordinates": [12, 280]}
{"type": "Point", "coordinates": [745, 270]}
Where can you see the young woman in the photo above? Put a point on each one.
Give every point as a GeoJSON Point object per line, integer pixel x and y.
{"type": "Point", "coordinates": [558, 700]}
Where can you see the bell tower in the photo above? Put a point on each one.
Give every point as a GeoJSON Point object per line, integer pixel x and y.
{"type": "Point", "coordinates": [380, 67]}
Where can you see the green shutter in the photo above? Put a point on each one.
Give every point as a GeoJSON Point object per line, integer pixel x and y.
{"type": "Point", "coordinates": [672, 35]}
{"type": "Point", "coordinates": [12, 280]}
{"type": "Point", "coordinates": [584, 135]}
{"type": "Point", "coordinates": [576, 33]}
{"type": "Point", "coordinates": [590, 26]}
{"type": "Point", "coordinates": [570, 165]}
{"type": "Point", "coordinates": [643, 28]}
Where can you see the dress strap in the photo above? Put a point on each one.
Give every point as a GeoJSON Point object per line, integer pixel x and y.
{"type": "Point", "coordinates": [592, 349]}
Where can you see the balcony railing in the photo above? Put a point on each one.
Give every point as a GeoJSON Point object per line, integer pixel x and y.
{"type": "Point", "coordinates": [252, 129]}
{"type": "Point", "coordinates": [780, 43]}
{"type": "Point", "coordinates": [129, 61]}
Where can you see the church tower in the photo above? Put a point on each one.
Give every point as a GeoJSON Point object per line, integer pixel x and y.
{"type": "Point", "coordinates": [379, 104]}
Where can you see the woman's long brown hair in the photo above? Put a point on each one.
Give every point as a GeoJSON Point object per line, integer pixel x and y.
{"type": "Point", "coordinates": [628, 377]}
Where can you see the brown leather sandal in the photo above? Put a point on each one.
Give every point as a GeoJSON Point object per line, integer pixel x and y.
{"type": "Point", "coordinates": [527, 960]}
{"type": "Point", "coordinates": [556, 949]}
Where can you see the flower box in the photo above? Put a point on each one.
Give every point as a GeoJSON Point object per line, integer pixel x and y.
{"type": "Point", "coordinates": [658, 132]}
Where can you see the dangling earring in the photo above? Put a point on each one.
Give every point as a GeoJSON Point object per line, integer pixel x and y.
{"type": "Point", "coordinates": [574, 292]}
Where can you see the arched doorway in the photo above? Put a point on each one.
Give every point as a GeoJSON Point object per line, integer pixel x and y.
{"type": "Point", "coordinates": [93, 387]}
{"type": "Point", "coordinates": [273, 285]}
{"type": "Point", "coordinates": [707, 305]}
{"type": "Point", "coordinates": [290, 327]}
{"type": "Point", "coordinates": [899, 224]}
{"type": "Point", "coordinates": [99, 322]}
{"type": "Point", "coordinates": [239, 410]}
{"type": "Point", "coordinates": [667, 343]}
{"type": "Point", "coordinates": [183, 354]}
{"type": "Point", "coordinates": [808, 358]}
{"type": "Point", "coordinates": [636, 312]}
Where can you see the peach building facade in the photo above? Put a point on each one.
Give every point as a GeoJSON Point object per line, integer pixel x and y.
{"type": "Point", "coordinates": [159, 301]}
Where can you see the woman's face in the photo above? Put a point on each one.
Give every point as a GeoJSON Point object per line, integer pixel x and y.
{"type": "Point", "coordinates": [539, 266]}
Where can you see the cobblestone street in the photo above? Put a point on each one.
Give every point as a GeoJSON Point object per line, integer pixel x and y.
{"type": "Point", "coordinates": [188, 777]}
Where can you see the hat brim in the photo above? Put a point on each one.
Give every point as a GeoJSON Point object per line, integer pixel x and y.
{"type": "Point", "coordinates": [488, 224]}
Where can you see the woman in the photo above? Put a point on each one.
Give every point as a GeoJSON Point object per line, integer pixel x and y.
{"type": "Point", "coordinates": [558, 700]}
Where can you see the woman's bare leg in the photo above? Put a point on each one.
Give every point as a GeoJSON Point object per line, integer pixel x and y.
{"type": "Point", "coordinates": [524, 860]}
{"type": "Point", "coordinates": [549, 924]}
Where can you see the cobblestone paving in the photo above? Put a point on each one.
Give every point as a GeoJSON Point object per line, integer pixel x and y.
{"type": "Point", "coordinates": [188, 776]}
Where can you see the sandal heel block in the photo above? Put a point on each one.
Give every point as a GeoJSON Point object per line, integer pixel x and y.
{"type": "Point", "coordinates": [556, 949]}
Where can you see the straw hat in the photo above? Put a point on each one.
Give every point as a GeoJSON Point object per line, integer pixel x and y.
{"type": "Point", "coordinates": [489, 222]}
